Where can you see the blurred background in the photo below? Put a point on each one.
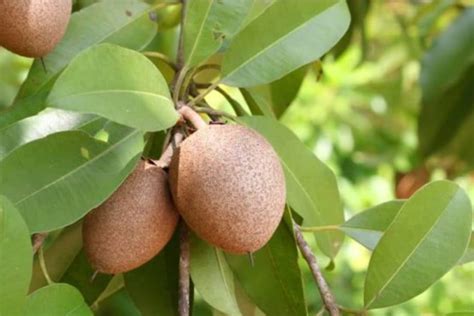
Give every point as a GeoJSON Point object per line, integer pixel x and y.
{"type": "Point", "coordinates": [366, 109]}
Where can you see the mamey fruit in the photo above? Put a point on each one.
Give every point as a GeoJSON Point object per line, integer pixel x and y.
{"type": "Point", "coordinates": [32, 28]}
{"type": "Point", "coordinates": [229, 186]}
{"type": "Point", "coordinates": [133, 225]}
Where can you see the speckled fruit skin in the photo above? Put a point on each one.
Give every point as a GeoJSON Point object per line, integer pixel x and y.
{"type": "Point", "coordinates": [32, 28]}
{"type": "Point", "coordinates": [133, 225]}
{"type": "Point", "coordinates": [229, 186]}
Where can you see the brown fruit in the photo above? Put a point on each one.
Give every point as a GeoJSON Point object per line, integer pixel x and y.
{"type": "Point", "coordinates": [32, 28]}
{"type": "Point", "coordinates": [229, 186]}
{"type": "Point", "coordinates": [133, 225]}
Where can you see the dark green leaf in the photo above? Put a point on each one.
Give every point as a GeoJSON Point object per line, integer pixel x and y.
{"type": "Point", "coordinates": [274, 283]}
{"type": "Point", "coordinates": [56, 180]}
{"type": "Point", "coordinates": [311, 186]}
{"type": "Point", "coordinates": [212, 277]}
{"type": "Point", "coordinates": [57, 300]}
{"type": "Point", "coordinates": [117, 83]}
{"type": "Point", "coordinates": [426, 239]}
{"type": "Point", "coordinates": [301, 32]}
{"type": "Point", "coordinates": [122, 22]}
{"type": "Point", "coordinates": [207, 24]}
{"type": "Point", "coordinates": [16, 258]}
{"type": "Point", "coordinates": [368, 227]}
{"type": "Point", "coordinates": [41, 125]}
{"type": "Point", "coordinates": [153, 287]}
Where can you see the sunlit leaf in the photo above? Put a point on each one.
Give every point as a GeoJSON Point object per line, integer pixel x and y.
{"type": "Point", "coordinates": [207, 24]}
{"type": "Point", "coordinates": [122, 22]}
{"type": "Point", "coordinates": [56, 180]}
{"type": "Point", "coordinates": [426, 239]}
{"type": "Point", "coordinates": [117, 83]}
{"type": "Point", "coordinates": [259, 54]}
{"type": "Point", "coordinates": [16, 258]}
{"type": "Point", "coordinates": [311, 186]}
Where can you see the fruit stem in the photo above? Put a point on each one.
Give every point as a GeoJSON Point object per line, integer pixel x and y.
{"type": "Point", "coordinates": [315, 229]}
{"type": "Point", "coordinates": [192, 116]}
{"type": "Point", "coordinates": [211, 111]}
{"type": "Point", "coordinates": [324, 290]}
{"type": "Point", "coordinates": [168, 153]}
{"type": "Point", "coordinates": [38, 240]}
{"type": "Point", "coordinates": [184, 284]}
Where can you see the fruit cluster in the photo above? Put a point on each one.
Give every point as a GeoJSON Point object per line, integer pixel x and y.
{"type": "Point", "coordinates": [225, 181]}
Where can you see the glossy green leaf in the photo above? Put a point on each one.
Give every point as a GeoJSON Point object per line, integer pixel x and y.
{"type": "Point", "coordinates": [117, 83]}
{"type": "Point", "coordinates": [56, 180]}
{"type": "Point", "coordinates": [447, 114]}
{"type": "Point", "coordinates": [23, 108]}
{"type": "Point", "coordinates": [48, 122]}
{"type": "Point", "coordinates": [57, 300]}
{"type": "Point", "coordinates": [118, 304]}
{"type": "Point", "coordinates": [59, 256]}
{"type": "Point", "coordinates": [274, 282]}
{"type": "Point", "coordinates": [308, 30]}
{"type": "Point", "coordinates": [16, 258]}
{"type": "Point", "coordinates": [153, 287]}
{"type": "Point", "coordinates": [426, 239]}
{"type": "Point", "coordinates": [79, 274]}
{"type": "Point", "coordinates": [311, 186]}
{"type": "Point", "coordinates": [368, 226]}
{"type": "Point", "coordinates": [212, 276]}
{"type": "Point", "coordinates": [122, 22]}
{"type": "Point", "coordinates": [207, 24]}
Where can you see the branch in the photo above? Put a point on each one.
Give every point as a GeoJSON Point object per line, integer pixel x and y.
{"type": "Point", "coordinates": [326, 295]}
{"type": "Point", "coordinates": [194, 118]}
{"type": "Point", "coordinates": [184, 287]}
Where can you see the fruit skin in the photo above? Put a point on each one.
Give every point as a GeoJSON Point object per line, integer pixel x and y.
{"type": "Point", "coordinates": [32, 28]}
{"type": "Point", "coordinates": [229, 187]}
{"type": "Point", "coordinates": [133, 225]}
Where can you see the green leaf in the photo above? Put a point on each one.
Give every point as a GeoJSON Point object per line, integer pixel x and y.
{"type": "Point", "coordinates": [117, 83]}
{"type": "Point", "coordinates": [59, 256]}
{"type": "Point", "coordinates": [153, 287]}
{"type": "Point", "coordinates": [426, 239]}
{"type": "Point", "coordinates": [273, 99]}
{"type": "Point", "coordinates": [300, 33]}
{"type": "Point", "coordinates": [57, 300]}
{"type": "Point", "coordinates": [207, 24]}
{"type": "Point", "coordinates": [447, 114]}
{"type": "Point", "coordinates": [368, 226]}
{"type": "Point", "coordinates": [54, 181]}
{"type": "Point", "coordinates": [311, 186]}
{"type": "Point", "coordinates": [16, 258]}
{"type": "Point", "coordinates": [213, 277]}
{"type": "Point", "coordinates": [23, 108]}
{"type": "Point", "coordinates": [79, 274]}
{"type": "Point", "coordinates": [274, 282]}
{"type": "Point", "coordinates": [122, 22]}
{"type": "Point", "coordinates": [41, 125]}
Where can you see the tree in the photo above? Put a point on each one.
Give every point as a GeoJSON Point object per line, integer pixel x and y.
{"type": "Point", "coordinates": [132, 79]}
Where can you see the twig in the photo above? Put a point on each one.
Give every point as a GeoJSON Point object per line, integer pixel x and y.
{"type": "Point", "coordinates": [168, 153]}
{"type": "Point", "coordinates": [211, 111]}
{"type": "Point", "coordinates": [184, 287]}
{"type": "Point", "coordinates": [203, 94]}
{"type": "Point", "coordinates": [239, 110]}
{"type": "Point", "coordinates": [38, 240]}
{"type": "Point", "coordinates": [190, 115]}
{"type": "Point", "coordinates": [42, 263]}
{"type": "Point", "coordinates": [326, 295]}
{"type": "Point", "coordinates": [181, 71]}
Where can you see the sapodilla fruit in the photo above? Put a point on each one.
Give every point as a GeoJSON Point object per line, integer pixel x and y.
{"type": "Point", "coordinates": [32, 28]}
{"type": "Point", "coordinates": [229, 187]}
{"type": "Point", "coordinates": [133, 225]}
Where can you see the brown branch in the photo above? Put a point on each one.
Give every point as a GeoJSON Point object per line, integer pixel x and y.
{"type": "Point", "coordinates": [194, 118]}
{"type": "Point", "coordinates": [184, 284]}
{"type": "Point", "coordinates": [38, 240]}
{"type": "Point", "coordinates": [326, 295]}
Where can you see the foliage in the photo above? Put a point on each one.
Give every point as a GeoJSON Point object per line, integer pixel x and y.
{"type": "Point", "coordinates": [73, 133]}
